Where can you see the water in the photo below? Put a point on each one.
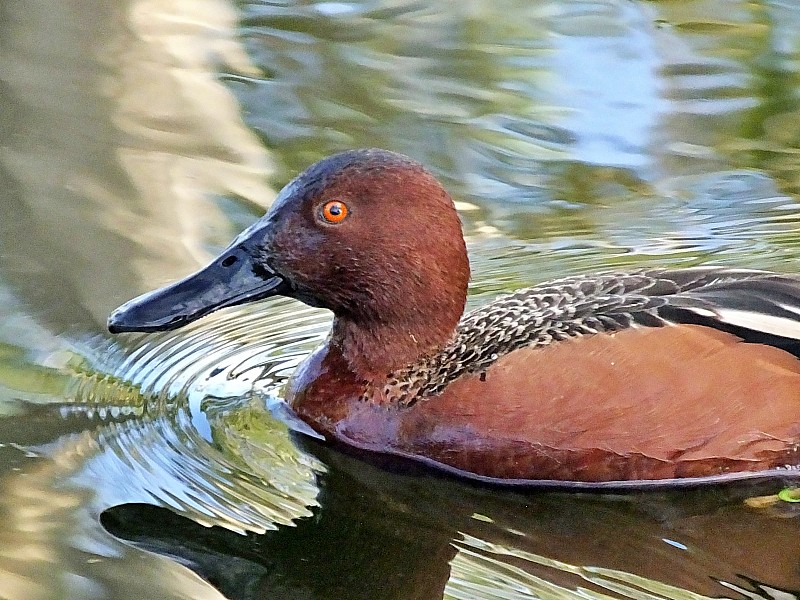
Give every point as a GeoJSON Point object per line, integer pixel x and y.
{"type": "Point", "coordinates": [138, 137]}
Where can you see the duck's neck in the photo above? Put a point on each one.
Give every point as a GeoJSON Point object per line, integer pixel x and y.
{"type": "Point", "coordinates": [373, 350]}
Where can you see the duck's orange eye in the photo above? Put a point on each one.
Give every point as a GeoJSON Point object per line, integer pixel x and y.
{"type": "Point", "coordinates": [334, 211]}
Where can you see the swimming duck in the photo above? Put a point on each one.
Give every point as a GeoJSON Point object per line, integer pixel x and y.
{"type": "Point", "coordinates": [649, 376]}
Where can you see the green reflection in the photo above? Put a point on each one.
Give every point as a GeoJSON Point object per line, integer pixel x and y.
{"type": "Point", "coordinates": [18, 374]}
{"type": "Point", "coordinates": [587, 135]}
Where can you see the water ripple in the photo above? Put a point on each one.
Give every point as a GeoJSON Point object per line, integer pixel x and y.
{"type": "Point", "coordinates": [194, 430]}
{"type": "Point", "coordinates": [483, 569]}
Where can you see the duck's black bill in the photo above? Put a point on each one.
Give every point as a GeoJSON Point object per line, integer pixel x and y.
{"type": "Point", "coordinates": [230, 280]}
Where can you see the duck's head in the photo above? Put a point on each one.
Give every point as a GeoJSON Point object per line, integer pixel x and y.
{"type": "Point", "coordinates": [367, 234]}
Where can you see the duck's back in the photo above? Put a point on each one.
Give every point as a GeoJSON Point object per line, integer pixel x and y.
{"type": "Point", "coordinates": [647, 375]}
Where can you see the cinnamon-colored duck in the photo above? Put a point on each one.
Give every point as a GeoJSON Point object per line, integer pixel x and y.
{"type": "Point", "coordinates": [619, 378]}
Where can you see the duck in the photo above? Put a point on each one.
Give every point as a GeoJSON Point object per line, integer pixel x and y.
{"type": "Point", "coordinates": [619, 378]}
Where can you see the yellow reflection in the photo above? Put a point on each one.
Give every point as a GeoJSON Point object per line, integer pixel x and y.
{"type": "Point", "coordinates": [121, 143]}
{"type": "Point", "coordinates": [483, 569]}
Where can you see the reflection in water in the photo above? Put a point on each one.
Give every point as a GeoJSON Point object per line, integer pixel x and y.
{"type": "Point", "coordinates": [480, 571]}
{"type": "Point", "coordinates": [203, 443]}
{"type": "Point", "coordinates": [734, 79]}
{"type": "Point", "coordinates": [419, 537]}
{"type": "Point", "coordinates": [584, 134]}
{"type": "Point", "coordinates": [577, 127]}
{"type": "Point", "coordinates": [51, 546]}
{"type": "Point", "coordinates": [122, 144]}
{"type": "Point", "coordinates": [238, 469]}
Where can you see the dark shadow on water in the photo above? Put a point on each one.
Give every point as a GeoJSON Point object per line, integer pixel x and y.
{"type": "Point", "coordinates": [351, 548]}
{"type": "Point", "coordinates": [380, 534]}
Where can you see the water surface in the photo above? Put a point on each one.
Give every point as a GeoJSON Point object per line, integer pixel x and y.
{"type": "Point", "coordinates": [137, 138]}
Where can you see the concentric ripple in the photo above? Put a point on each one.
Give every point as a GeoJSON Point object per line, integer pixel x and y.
{"type": "Point", "coordinates": [196, 433]}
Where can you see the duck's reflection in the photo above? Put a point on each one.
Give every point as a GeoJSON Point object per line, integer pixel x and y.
{"type": "Point", "coordinates": [381, 553]}
{"type": "Point", "coordinates": [382, 534]}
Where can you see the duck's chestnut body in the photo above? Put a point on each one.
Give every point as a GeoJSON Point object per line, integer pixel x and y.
{"type": "Point", "coordinates": [651, 376]}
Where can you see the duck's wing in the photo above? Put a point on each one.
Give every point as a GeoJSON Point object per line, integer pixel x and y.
{"type": "Point", "coordinates": [756, 306]}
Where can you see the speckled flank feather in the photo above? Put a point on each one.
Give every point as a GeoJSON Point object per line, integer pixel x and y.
{"type": "Point", "coordinates": [737, 301]}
